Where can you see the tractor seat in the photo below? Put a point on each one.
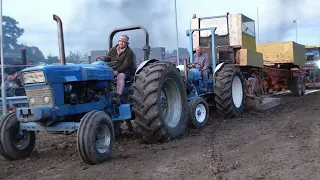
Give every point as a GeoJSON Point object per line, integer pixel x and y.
{"type": "Point", "coordinates": [128, 81]}
{"type": "Point", "coordinates": [131, 81]}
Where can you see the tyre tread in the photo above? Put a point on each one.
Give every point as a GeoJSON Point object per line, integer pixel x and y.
{"type": "Point", "coordinates": [145, 103]}
{"type": "Point", "coordinates": [223, 94]}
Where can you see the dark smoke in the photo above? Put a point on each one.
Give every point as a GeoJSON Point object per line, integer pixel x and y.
{"type": "Point", "coordinates": [279, 15]}
{"type": "Point", "coordinates": [98, 18]}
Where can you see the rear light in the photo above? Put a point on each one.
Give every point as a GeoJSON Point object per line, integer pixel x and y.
{"type": "Point", "coordinates": [11, 108]}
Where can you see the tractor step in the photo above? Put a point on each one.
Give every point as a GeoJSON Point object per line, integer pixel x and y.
{"type": "Point", "coordinates": [261, 103]}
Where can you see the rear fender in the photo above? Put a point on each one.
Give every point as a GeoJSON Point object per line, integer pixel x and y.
{"type": "Point", "coordinates": [219, 66]}
{"type": "Point", "coordinates": [144, 63]}
{"type": "Point", "coordinates": [180, 67]}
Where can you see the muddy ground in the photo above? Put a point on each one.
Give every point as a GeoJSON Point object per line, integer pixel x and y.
{"type": "Point", "coordinates": [281, 143]}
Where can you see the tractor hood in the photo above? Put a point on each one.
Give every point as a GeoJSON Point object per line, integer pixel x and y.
{"type": "Point", "coordinates": [51, 74]}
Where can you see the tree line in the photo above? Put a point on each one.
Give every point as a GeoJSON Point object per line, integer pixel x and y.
{"type": "Point", "coordinates": [12, 32]}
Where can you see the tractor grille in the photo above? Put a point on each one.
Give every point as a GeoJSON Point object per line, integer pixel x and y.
{"type": "Point", "coordinates": [38, 93]}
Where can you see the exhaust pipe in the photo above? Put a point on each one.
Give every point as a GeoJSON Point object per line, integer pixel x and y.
{"type": "Point", "coordinates": [60, 39]}
{"type": "Point", "coordinates": [24, 56]}
{"type": "Point", "coordinates": [185, 64]}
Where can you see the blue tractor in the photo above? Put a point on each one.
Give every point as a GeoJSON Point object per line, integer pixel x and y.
{"type": "Point", "coordinates": [68, 98]}
{"type": "Point", "coordinates": [198, 90]}
{"type": "Point", "coordinates": [236, 79]}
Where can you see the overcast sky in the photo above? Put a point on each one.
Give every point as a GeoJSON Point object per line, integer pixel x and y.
{"type": "Point", "coordinates": [87, 23]}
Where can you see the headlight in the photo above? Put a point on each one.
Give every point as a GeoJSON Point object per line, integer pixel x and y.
{"type": "Point", "coordinates": [33, 77]}
{"type": "Point", "coordinates": [32, 101]}
{"type": "Point", "coordinates": [46, 99]}
{"type": "Point", "coordinates": [318, 64]}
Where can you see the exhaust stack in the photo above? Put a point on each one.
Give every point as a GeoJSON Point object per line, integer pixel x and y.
{"type": "Point", "coordinates": [60, 39]}
{"type": "Point", "coordinates": [185, 64]}
{"type": "Point", "coordinates": [24, 56]}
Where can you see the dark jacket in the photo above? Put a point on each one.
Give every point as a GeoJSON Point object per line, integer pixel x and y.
{"type": "Point", "coordinates": [124, 62]}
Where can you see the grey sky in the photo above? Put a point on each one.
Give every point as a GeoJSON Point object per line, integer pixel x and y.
{"type": "Point", "coordinates": [87, 23]}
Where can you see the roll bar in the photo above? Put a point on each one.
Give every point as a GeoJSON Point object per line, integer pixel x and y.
{"type": "Point", "coordinates": [146, 47]}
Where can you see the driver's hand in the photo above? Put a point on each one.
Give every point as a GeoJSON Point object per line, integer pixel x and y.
{"type": "Point", "coordinates": [194, 65]}
{"type": "Point", "coordinates": [106, 59]}
{"type": "Point", "coordinates": [115, 73]}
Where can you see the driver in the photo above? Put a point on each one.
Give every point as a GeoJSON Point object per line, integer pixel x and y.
{"type": "Point", "coordinates": [201, 58]}
{"type": "Point", "coordinates": [123, 64]}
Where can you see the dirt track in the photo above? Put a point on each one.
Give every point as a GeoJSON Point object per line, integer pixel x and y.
{"type": "Point", "coordinates": [282, 143]}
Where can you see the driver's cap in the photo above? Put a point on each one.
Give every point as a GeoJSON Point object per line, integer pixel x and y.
{"type": "Point", "coordinates": [124, 38]}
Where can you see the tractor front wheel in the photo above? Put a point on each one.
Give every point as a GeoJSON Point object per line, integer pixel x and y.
{"type": "Point", "coordinates": [198, 113]}
{"type": "Point", "coordinates": [95, 137]}
{"type": "Point", "coordinates": [15, 144]}
{"type": "Point", "coordinates": [230, 91]}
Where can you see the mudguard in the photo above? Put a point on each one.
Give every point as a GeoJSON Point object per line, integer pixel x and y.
{"type": "Point", "coordinates": [144, 63]}
{"type": "Point", "coordinates": [180, 67]}
{"type": "Point", "coordinates": [217, 68]}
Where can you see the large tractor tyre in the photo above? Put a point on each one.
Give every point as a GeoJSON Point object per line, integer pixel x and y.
{"type": "Point", "coordinates": [160, 102]}
{"type": "Point", "coordinates": [198, 113]}
{"type": "Point", "coordinates": [15, 145]}
{"type": "Point", "coordinates": [230, 91]}
{"type": "Point", "coordinates": [297, 86]}
{"type": "Point", "coordinates": [95, 137]}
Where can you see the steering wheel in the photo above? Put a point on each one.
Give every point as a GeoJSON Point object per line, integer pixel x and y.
{"type": "Point", "coordinates": [190, 65]}
{"type": "Point", "coordinates": [101, 57]}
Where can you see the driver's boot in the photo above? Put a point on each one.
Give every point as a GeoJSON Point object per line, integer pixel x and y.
{"type": "Point", "coordinates": [116, 100]}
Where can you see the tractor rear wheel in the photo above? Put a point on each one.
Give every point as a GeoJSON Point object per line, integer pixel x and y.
{"type": "Point", "coordinates": [160, 102]}
{"type": "Point", "coordinates": [13, 144]}
{"type": "Point", "coordinates": [297, 86]}
{"type": "Point", "coordinates": [95, 137]}
{"type": "Point", "coordinates": [229, 91]}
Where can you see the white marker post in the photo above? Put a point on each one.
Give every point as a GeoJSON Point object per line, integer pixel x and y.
{"type": "Point", "coordinates": [175, 7]}
{"type": "Point", "coordinates": [3, 88]}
